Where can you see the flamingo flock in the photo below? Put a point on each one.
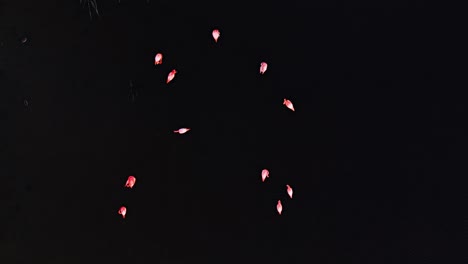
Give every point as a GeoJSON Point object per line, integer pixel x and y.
{"type": "Point", "coordinates": [265, 173]}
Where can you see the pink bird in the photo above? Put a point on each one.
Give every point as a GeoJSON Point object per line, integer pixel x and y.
{"type": "Point", "coordinates": [265, 174]}
{"type": "Point", "coordinates": [289, 190]}
{"type": "Point", "coordinates": [158, 59]}
{"type": "Point", "coordinates": [279, 207]}
{"type": "Point", "coordinates": [130, 181]}
{"type": "Point", "coordinates": [182, 131]}
{"type": "Point", "coordinates": [171, 76]}
{"type": "Point", "coordinates": [288, 104]}
{"type": "Point", "coordinates": [216, 35]}
{"type": "Point", "coordinates": [123, 211]}
{"type": "Point", "coordinates": [263, 67]}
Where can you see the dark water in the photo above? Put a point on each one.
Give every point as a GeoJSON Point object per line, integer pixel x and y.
{"type": "Point", "coordinates": [367, 149]}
